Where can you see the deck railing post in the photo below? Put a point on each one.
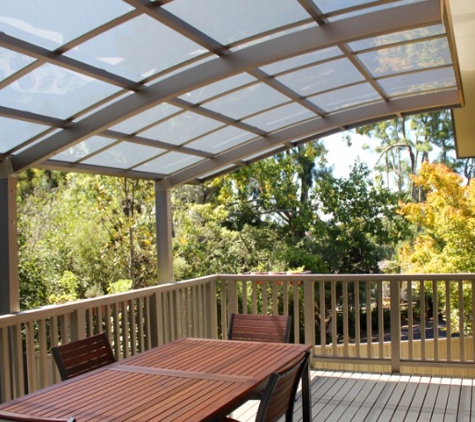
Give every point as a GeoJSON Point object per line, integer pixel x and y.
{"type": "Point", "coordinates": [309, 313]}
{"type": "Point", "coordinates": [212, 309]}
{"type": "Point", "coordinates": [395, 326]}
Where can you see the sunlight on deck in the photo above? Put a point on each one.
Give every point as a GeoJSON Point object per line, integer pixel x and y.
{"type": "Point", "coordinates": [352, 396]}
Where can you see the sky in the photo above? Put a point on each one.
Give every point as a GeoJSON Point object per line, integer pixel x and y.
{"type": "Point", "coordinates": [343, 157]}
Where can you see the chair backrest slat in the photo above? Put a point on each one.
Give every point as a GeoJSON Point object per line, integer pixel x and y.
{"type": "Point", "coordinates": [279, 395]}
{"type": "Point", "coordinates": [82, 356]}
{"type": "Point", "coordinates": [268, 328]}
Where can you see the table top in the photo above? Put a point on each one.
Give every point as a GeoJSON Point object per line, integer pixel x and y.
{"type": "Point", "coordinates": [186, 380]}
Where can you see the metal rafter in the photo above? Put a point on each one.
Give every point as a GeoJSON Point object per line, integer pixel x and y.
{"type": "Point", "coordinates": [280, 87]}
{"type": "Point", "coordinates": [155, 11]}
{"type": "Point", "coordinates": [57, 59]}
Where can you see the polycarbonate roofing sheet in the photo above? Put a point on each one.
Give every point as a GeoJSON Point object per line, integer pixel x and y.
{"type": "Point", "coordinates": [179, 91]}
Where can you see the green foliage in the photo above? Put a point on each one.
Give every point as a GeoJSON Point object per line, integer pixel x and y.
{"type": "Point", "coordinates": [99, 229]}
{"type": "Point", "coordinates": [64, 289]}
{"type": "Point", "coordinates": [120, 286]}
{"type": "Point", "coordinates": [361, 222]}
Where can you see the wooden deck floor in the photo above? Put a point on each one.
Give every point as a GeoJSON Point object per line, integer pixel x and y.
{"type": "Point", "coordinates": [344, 396]}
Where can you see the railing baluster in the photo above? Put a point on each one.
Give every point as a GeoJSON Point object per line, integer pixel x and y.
{"type": "Point", "coordinates": [410, 320]}
{"type": "Point", "coordinates": [435, 319]}
{"type": "Point", "coordinates": [43, 367]}
{"type": "Point", "coordinates": [381, 333]}
{"type": "Point", "coordinates": [473, 320]}
{"type": "Point", "coordinates": [244, 296]}
{"type": "Point", "coordinates": [395, 318]}
{"type": "Point", "coordinates": [422, 318]}
{"type": "Point", "coordinates": [323, 319]}
{"type": "Point", "coordinates": [448, 321]}
{"type": "Point", "coordinates": [357, 328]}
{"type": "Point", "coordinates": [334, 320]}
{"type": "Point", "coordinates": [6, 380]}
{"type": "Point", "coordinates": [369, 321]}
{"type": "Point", "coordinates": [296, 316]}
{"type": "Point", "coordinates": [461, 322]}
{"type": "Point", "coordinates": [344, 286]}
{"type": "Point", "coordinates": [285, 297]}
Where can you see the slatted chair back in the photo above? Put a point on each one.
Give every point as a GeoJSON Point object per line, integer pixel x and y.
{"type": "Point", "coordinates": [279, 396]}
{"type": "Point", "coordinates": [82, 356]}
{"type": "Point", "coordinates": [10, 417]}
{"type": "Point", "coordinates": [268, 328]}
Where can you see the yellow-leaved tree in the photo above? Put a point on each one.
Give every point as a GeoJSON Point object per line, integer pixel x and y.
{"type": "Point", "coordinates": [445, 232]}
{"type": "Point", "coordinates": [445, 224]}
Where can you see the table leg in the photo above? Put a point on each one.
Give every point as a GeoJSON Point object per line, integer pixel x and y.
{"type": "Point", "coordinates": [306, 394]}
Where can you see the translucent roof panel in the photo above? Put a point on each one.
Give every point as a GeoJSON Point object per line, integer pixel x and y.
{"type": "Point", "coordinates": [398, 37]}
{"type": "Point", "coordinates": [53, 23]}
{"type": "Point", "coordinates": [322, 77]}
{"type": "Point", "coordinates": [272, 35]}
{"type": "Point", "coordinates": [419, 82]}
{"type": "Point", "coordinates": [83, 149]}
{"type": "Point", "coordinates": [221, 140]}
{"type": "Point", "coordinates": [328, 6]}
{"type": "Point", "coordinates": [302, 60]}
{"type": "Point", "coordinates": [345, 97]}
{"type": "Point", "coordinates": [142, 120]}
{"type": "Point", "coordinates": [228, 21]}
{"type": "Point", "coordinates": [169, 163]}
{"type": "Point", "coordinates": [181, 128]}
{"type": "Point", "coordinates": [11, 62]}
{"type": "Point", "coordinates": [338, 9]}
{"type": "Point", "coordinates": [280, 117]}
{"type": "Point", "coordinates": [407, 57]}
{"type": "Point", "coordinates": [175, 91]}
{"type": "Point", "coordinates": [123, 155]}
{"type": "Point", "coordinates": [15, 132]}
{"type": "Point", "coordinates": [55, 91]}
{"type": "Point", "coordinates": [212, 90]}
{"type": "Point", "coordinates": [116, 50]}
{"type": "Point", "coordinates": [247, 101]}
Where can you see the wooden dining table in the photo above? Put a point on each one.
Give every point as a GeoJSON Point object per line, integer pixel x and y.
{"type": "Point", "coordinates": [185, 380]}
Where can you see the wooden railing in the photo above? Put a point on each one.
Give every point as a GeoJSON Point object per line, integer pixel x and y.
{"type": "Point", "coordinates": [364, 322]}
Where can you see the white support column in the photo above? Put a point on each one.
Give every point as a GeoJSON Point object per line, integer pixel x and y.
{"type": "Point", "coordinates": [9, 285]}
{"type": "Point", "coordinates": [163, 217]}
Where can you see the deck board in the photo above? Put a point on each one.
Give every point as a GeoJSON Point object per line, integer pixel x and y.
{"type": "Point", "coordinates": [345, 396]}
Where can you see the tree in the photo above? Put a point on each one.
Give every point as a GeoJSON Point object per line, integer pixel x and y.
{"type": "Point", "coordinates": [362, 227]}
{"type": "Point", "coordinates": [445, 233]}
{"type": "Point", "coordinates": [444, 222]}
{"type": "Point", "coordinates": [276, 194]}
{"type": "Point", "coordinates": [407, 142]}
{"type": "Point", "coordinates": [94, 230]}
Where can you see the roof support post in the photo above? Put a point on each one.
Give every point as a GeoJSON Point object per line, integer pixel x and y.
{"type": "Point", "coordinates": [9, 285]}
{"type": "Point", "coordinates": [163, 215]}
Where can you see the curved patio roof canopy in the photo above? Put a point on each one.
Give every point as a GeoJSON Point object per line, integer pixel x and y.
{"type": "Point", "coordinates": [181, 91]}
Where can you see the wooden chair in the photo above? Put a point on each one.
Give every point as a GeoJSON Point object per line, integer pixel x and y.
{"type": "Point", "coordinates": [268, 328]}
{"type": "Point", "coordinates": [82, 356]}
{"type": "Point", "coordinates": [279, 396]}
{"type": "Point", "coordinates": [8, 416]}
